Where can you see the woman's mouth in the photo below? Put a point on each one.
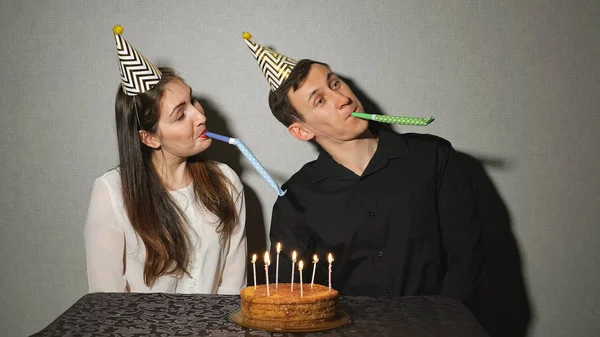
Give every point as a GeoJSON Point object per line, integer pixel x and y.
{"type": "Point", "coordinates": [203, 135]}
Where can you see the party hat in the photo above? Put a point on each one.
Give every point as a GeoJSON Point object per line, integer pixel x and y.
{"type": "Point", "coordinates": [138, 75]}
{"type": "Point", "coordinates": [276, 67]}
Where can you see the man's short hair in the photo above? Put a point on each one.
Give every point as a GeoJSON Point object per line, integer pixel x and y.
{"type": "Point", "coordinates": [279, 102]}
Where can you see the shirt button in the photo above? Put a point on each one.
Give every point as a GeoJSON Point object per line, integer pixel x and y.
{"type": "Point", "coordinates": [385, 293]}
{"type": "Point", "coordinates": [380, 253]}
{"type": "Point", "coordinates": [371, 214]}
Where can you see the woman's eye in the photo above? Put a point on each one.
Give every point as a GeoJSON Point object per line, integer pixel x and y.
{"type": "Point", "coordinates": [319, 102]}
{"type": "Point", "coordinates": [180, 117]}
{"type": "Point", "coordinates": [335, 84]}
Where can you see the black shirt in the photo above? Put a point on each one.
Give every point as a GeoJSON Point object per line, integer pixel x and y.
{"type": "Point", "coordinates": [406, 226]}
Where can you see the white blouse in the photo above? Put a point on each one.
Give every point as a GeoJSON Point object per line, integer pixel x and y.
{"type": "Point", "coordinates": [115, 253]}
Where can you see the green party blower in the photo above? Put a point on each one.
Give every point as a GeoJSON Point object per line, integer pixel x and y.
{"type": "Point", "coordinates": [402, 120]}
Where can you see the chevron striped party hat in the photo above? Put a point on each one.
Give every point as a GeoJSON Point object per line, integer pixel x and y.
{"type": "Point", "coordinates": [138, 75]}
{"type": "Point", "coordinates": [276, 67]}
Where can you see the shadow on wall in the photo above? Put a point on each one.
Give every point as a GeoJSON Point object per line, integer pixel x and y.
{"type": "Point", "coordinates": [369, 106]}
{"type": "Point", "coordinates": [230, 155]}
{"type": "Point", "coordinates": [501, 303]}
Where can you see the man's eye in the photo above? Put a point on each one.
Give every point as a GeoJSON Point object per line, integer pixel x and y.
{"type": "Point", "coordinates": [335, 85]}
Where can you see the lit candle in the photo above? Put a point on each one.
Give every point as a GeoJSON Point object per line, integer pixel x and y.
{"type": "Point", "coordinates": [267, 263]}
{"type": "Point", "coordinates": [300, 267]}
{"type": "Point", "coordinates": [293, 265]}
{"type": "Point", "coordinates": [315, 260]}
{"type": "Point", "coordinates": [277, 266]}
{"type": "Point", "coordinates": [330, 259]}
{"type": "Point", "coordinates": [254, 268]}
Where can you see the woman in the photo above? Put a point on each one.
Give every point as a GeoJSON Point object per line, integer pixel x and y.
{"type": "Point", "coordinates": [167, 219]}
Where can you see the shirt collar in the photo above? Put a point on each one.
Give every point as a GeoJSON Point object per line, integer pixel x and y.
{"type": "Point", "coordinates": [391, 145]}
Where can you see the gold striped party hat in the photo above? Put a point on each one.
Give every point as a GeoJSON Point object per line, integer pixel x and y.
{"type": "Point", "coordinates": [276, 67]}
{"type": "Point", "coordinates": [138, 75]}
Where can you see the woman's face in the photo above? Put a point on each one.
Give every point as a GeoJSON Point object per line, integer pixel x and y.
{"type": "Point", "coordinates": [181, 124]}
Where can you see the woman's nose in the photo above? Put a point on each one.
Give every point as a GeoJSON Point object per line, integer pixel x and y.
{"type": "Point", "coordinates": [200, 118]}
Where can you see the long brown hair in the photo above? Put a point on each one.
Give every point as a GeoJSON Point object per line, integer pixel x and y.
{"type": "Point", "coordinates": [153, 213]}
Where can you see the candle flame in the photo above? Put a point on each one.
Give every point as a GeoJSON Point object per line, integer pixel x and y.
{"type": "Point", "coordinates": [315, 258]}
{"type": "Point", "coordinates": [278, 247]}
{"type": "Point", "coordinates": [267, 259]}
{"type": "Point", "coordinates": [254, 258]}
{"type": "Point", "coordinates": [300, 265]}
{"type": "Point", "coordinates": [330, 258]}
{"type": "Point", "coordinates": [294, 256]}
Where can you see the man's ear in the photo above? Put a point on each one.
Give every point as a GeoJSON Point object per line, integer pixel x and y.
{"type": "Point", "coordinates": [149, 139]}
{"type": "Point", "coordinates": [299, 131]}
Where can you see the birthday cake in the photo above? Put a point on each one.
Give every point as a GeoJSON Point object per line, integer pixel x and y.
{"type": "Point", "coordinates": [284, 308]}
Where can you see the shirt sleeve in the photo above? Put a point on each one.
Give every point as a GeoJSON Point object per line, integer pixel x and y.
{"type": "Point", "coordinates": [459, 225]}
{"type": "Point", "coordinates": [234, 272]}
{"type": "Point", "coordinates": [104, 243]}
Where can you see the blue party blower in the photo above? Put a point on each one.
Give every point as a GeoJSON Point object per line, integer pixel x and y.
{"type": "Point", "coordinates": [251, 158]}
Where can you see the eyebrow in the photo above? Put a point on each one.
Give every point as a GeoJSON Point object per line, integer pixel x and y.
{"type": "Point", "coordinates": [329, 74]}
{"type": "Point", "coordinates": [178, 106]}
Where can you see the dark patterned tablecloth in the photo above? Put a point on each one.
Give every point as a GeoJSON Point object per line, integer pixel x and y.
{"type": "Point", "coordinates": [120, 314]}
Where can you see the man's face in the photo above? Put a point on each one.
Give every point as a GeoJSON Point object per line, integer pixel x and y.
{"type": "Point", "coordinates": [326, 103]}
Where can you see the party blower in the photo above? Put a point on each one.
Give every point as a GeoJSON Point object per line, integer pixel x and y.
{"type": "Point", "coordinates": [251, 158]}
{"type": "Point", "coordinates": [401, 120]}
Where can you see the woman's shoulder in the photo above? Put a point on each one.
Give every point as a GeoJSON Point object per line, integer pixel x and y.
{"type": "Point", "coordinates": [226, 170]}
{"type": "Point", "coordinates": [107, 189]}
{"type": "Point", "coordinates": [111, 177]}
{"type": "Point", "coordinates": [111, 181]}
{"type": "Point", "coordinates": [230, 174]}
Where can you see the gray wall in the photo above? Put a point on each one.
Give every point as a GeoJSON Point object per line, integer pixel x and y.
{"type": "Point", "coordinates": [513, 84]}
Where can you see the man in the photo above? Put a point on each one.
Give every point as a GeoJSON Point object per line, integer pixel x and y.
{"type": "Point", "coordinates": [395, 211]}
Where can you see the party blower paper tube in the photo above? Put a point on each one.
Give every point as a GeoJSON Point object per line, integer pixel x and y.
{"type": "Point", "coordinates": [251, 158]}
{"type": "Point", "coordinates": [401, 120]}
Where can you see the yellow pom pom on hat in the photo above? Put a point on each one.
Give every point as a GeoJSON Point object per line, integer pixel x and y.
{"type": "Point", "coordinates": [117, 29]}
{"type": "Point", "coordinates": [138, 75]}
{"type": "Point", "coordinates": [276, 67]}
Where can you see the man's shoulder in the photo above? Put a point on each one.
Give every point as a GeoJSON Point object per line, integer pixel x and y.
{"type": "Point", "coordinates": [423, 139]}
{"type": "Point", "coordinates": [298, 188]}
{"type": "Point", "coordinates": [303, 175]}
{"type": "Point", "coordinates": [419, 141]}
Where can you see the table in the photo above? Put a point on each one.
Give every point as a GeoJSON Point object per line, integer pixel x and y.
{"type": "Point", "coordinates": [157, 314]}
